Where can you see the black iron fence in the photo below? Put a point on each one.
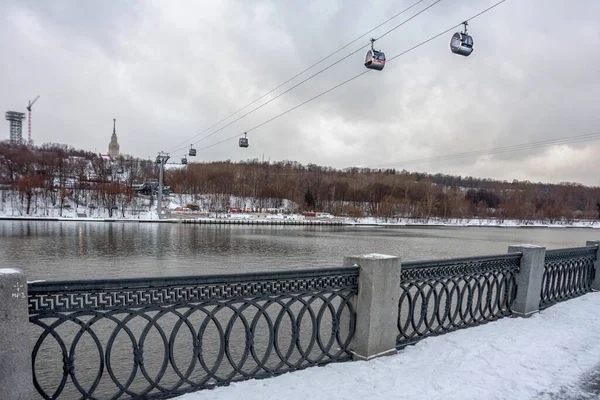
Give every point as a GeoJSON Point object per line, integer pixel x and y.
{"type": "Point", "coordinates": [568, 273]}
{"type": "Point", "coordinates": [162, 337]}
{"type": "Point", "coordinates": [440, 296]}
{"type": "Point", "coordinates": [158, 338]}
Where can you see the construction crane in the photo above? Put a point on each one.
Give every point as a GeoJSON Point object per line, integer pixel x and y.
{"type": "Point", "coordinates": [30, 141]}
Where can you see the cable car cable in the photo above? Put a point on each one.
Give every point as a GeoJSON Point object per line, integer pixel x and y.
{"type": "Point", "coordinates": [505, 150]}
{"type": "Point", "coordinates": [496, 150]}
{"type": "Point", "coordinates": [312, 66]}
{"type": "Point", "coordinates": [305, 80]}
{"type": "Point", "coordinates": [446, 31]}
{"type": "Point", "coordinates": [351, 79]}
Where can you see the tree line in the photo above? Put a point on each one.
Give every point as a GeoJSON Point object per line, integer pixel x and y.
{"type": "Point", "coordinates": [389, 193]}
{"type": "Point", "coordinates": [50, 174]}
{"type": "Point", "coordinates": [44, 177]}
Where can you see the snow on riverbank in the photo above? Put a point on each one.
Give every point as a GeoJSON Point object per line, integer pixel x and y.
{"type": "Point", "coordinates": [552, 355]}
{"type": "Point", "coordinates": [471, 222]}
{"type": "Point", "coordinates": [149, 216]}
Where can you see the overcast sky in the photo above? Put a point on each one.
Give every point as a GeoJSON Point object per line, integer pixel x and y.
{"type": "Point", "coordinates": [167, 70]}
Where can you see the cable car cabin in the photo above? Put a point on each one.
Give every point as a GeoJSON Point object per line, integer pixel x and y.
{"type": "Point", "coordinates": [375, 60]}
{"type": "Point", "coordinates": [184, 161]}
{"type": "Point", "coordinates": [461, 44]}
{"type": "Point", "coordinates": [192, 152]}
{"type": "Point", "coordinates": [244, 141]}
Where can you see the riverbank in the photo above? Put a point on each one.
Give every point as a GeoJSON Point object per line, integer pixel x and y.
{"type": "Point", "coordinates": [296, 220]}
{"type": "Point", "coordinates": [201, 221]}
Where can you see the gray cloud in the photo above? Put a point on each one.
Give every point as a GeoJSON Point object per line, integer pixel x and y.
{"type": "Point", "coordinates": [168, 70]}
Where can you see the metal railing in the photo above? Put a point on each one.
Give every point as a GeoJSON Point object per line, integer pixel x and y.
{"type": "Point", "coordinates": [441, 296]}
{"type": "Point", "coordinates": [158, 338]}
{"type": "Point", "coordinates": [568, 273]}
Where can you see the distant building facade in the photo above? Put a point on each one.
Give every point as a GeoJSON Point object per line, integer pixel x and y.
{"type": "Point", "coordinates": [113, 146]}
{"type": "Point", "coordinates": [15, 120]}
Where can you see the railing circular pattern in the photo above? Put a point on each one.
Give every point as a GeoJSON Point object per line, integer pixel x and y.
{"type": "Point", "coordinates": [223, 340]}
{"type": "Point", "coordinates": [436, 299]}
{"type": "Point", "coordinates": [568, 273]}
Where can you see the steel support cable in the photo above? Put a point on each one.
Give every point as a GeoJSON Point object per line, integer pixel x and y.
{"type": "Point", "coordinates": [496, 150]}
{"type": "Point", "coordinates": [350, 79]}
{"type": "Point", "coordinates": [305, 70]}
{"type": "Point", "coordinates": [298, 84]}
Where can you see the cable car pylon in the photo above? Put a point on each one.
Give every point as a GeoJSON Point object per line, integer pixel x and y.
{"type": "Point", "coordinates": [161, 160]}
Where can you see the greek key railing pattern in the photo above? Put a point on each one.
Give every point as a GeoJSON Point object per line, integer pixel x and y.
{"type": "Point", "coordinates": [568, 273]}
{"type": "Point", "coordinates": [441, 296]}
{"type": "Point", "coordinates": [159, 338]}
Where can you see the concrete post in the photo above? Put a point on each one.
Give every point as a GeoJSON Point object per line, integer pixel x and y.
{"type": "Point", "coordinates": [529, 279]}
{"type": "Point", "coordinates": [596, 283]}
{"type": "Point", "coordinates": [16, 381]}
{"type": "Point", "coordinates": [376, 305]}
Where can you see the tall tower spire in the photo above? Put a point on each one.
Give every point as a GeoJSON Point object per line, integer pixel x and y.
{"type": "Point", "coordinates": [113, 146]}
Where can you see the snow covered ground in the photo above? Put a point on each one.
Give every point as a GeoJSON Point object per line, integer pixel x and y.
{"type": "Point", "coordinates": [10, 207]}
{"type": "Point", "coordinates": [145, 216]}
{"type": "Point", "coordinates": [471, 222]}
{"type": "Point", "coordinates": [552, 355]}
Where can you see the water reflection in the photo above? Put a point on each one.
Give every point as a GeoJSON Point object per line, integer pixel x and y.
{"type": "Point", "coordinates": [80, 250]}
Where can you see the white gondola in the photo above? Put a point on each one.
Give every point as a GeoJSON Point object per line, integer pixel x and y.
{"type": "Point", "coordinates": [462, 43]}
{"type": "Point", "coordinates": [244, 141]}
{"type": "Point", "coordinates": [192, 152]}
{"type": "Point", "coordinates": [375, 59]}
{"type": "Point", "coordinates": [184, 160]}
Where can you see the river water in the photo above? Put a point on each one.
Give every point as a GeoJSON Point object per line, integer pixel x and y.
{"type": "Point", "coordinates": [50, 250]}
